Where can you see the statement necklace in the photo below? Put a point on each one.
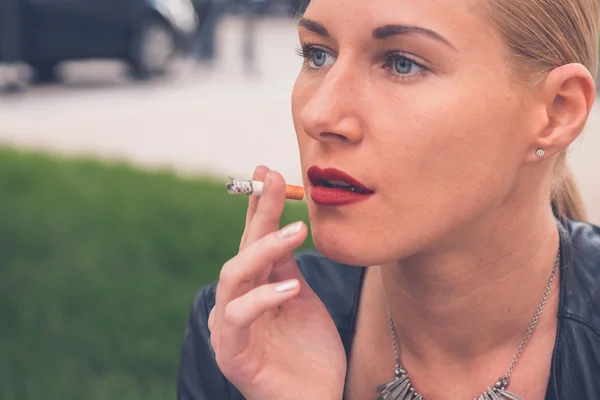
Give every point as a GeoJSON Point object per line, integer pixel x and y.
{"type": "Point", "coordinates": [401, 388]}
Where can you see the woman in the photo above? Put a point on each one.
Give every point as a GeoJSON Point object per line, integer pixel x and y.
{"type": "Point", "coordinates": [443, 272]}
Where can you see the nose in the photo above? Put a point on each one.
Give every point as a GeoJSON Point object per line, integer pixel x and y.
{"type": "Point", "coordinates": [332, 115]}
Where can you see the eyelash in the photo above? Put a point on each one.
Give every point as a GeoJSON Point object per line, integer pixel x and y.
{"type": "Point", "coordinates": [305, 51]}
{"type": "Point", "coordinates": [391, 57]}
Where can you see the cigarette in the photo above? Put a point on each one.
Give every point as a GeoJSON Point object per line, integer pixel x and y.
{"type": "Point", "coordinates": [255, 188]}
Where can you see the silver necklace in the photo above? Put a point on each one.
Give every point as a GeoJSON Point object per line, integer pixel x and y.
{"type": "Point", "coordinates": [401, 388]}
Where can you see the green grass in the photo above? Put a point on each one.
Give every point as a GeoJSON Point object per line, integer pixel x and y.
{"type": "Point", "coordinates": [98, 267]}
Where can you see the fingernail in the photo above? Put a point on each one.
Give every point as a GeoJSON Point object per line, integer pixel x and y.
{"type": "Point", "coordinates": [290, 230]}
{"type": "Point", "coordinates": [268, 179]}
{"type": "Point", "coordinates": [287, 286]}
{"type": "Point", "coordinates": [255, 175]}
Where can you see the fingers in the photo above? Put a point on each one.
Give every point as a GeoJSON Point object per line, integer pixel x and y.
{"type": "Point", "coordinates": [239, 274]}
{"type": "Point", "coordinates": [269, 208]}
{"type": "Point", "coordinates": [259, 175]}
{"type": "Point", "coordinates": [241, 296]}
{"type": "Point", "coordinates": [237, 282]}
{"type": "Point", "coordinates": [241, 313]}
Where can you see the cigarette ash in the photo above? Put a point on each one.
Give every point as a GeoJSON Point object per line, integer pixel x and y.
{"type": "Point", "coordinates": [239, 187]}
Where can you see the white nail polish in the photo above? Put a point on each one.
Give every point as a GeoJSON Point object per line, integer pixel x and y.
{"type": "Point", "coordinates": [287, 286]}
{"type": "Point", "coordinates": [290, 230]}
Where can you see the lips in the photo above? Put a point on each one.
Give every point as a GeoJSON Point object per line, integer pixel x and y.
{"type": "Point", "coordinates": [333, 187]}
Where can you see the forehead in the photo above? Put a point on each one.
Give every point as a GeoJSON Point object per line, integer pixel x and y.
{"type": "Point", "coordinates": [458, 20]}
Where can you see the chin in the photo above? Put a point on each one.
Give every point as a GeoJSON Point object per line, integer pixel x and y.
{"type": "Point", "coordinates": [350, 245]}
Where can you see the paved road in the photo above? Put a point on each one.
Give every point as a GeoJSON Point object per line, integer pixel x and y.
{"type": "Point", "coordinates": [211, 121]}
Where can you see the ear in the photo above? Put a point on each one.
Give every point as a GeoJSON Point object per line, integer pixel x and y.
{"type": "Point", "coordinates": [568, 94]}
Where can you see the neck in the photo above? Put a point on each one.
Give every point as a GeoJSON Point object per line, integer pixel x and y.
{"type": "Point", "coordinates": [460, 304]}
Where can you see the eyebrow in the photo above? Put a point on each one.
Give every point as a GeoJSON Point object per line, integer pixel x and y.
{"type": "Point", "coordinates": [391, 30]}
{"type": "Point", "coordinates": [313, 26]}
{"type": "Point", "coordinates": [380, 33]}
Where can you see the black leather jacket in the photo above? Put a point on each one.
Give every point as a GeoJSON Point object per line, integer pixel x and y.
{"type": "Point", "coordinates": [575, 373]}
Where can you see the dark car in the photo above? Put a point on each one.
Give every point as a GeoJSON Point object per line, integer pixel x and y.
{"type": "Point", "coordinates": [147, 34]}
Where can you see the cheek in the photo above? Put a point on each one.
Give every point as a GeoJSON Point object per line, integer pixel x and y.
{"type": "Point", "coordinates": [296, 101]}
{"type": "Point", "coordinates": [301, 94]}
{"type": "Point", "coordinates": [458, 124]}
{"type": "Point", "coordinates": [448, 147]}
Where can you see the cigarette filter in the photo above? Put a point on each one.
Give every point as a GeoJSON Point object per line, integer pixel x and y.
{"type": "Point", "coordinates": [255, 188]}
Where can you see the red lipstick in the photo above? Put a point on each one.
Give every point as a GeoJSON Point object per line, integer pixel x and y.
{"type": "Point", "coordinates": [332, 187]}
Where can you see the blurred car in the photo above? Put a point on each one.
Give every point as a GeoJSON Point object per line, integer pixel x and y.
{"type": "Point", "coordinates": [267, 7]}
{"type": "Point", "coordinates": [147, 34]}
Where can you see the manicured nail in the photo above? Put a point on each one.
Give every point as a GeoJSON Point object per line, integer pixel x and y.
{"type": "Point", "coordinates": [255, 175]}
{"type": "Point", "coordinates": [268, 179]}
{"type": "Point", "coordinates": [290, 230]}
{"type": "Point", "coordinates": [287, 286]}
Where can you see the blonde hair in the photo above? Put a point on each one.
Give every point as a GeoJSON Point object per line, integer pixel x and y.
{"type": "Point", "coordinates": [542, 35]}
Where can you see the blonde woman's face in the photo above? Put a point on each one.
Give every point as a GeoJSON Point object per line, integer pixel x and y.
{"type": "Point", "coordinates": [414, 99]}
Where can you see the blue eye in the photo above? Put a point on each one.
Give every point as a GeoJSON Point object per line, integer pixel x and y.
{"type": "Point", "coordinates": [405, 66]}
{"type": "Point", "coordinates": [315, 57]}
{"type": "Point", "coordinates": [318, 58]}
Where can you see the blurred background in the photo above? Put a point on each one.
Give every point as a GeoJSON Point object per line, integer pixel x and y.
{"type": "Point", "coordinates": [119, 123]}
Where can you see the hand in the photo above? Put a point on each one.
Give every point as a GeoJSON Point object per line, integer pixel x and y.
{"type": "Point", "coordinates": [272, 336]}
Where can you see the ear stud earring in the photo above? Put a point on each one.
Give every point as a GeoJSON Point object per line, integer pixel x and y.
{"type": "Point", "coordinates": [540, 153]}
